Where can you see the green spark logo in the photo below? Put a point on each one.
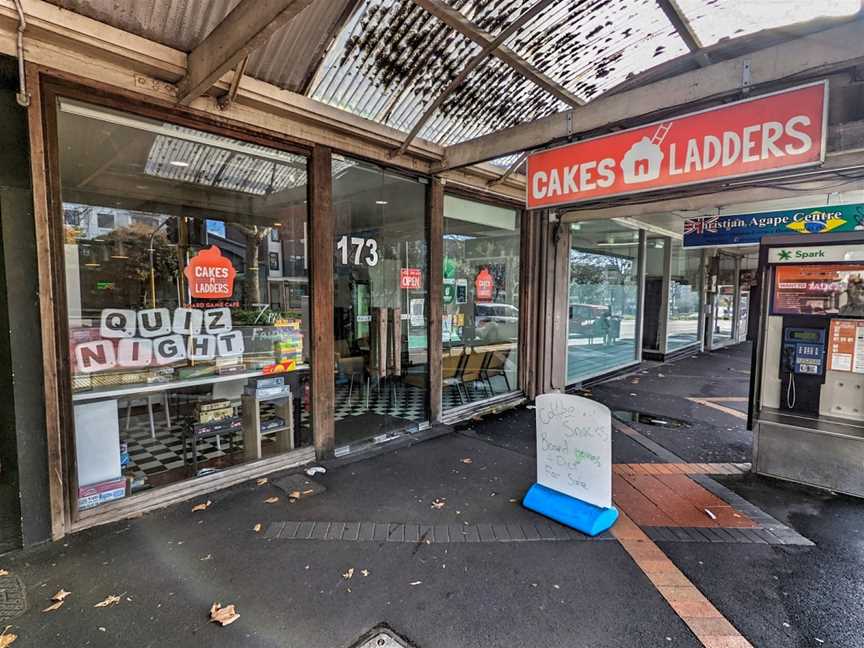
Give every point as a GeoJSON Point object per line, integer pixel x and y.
{"type": "Point", "coordinates": [785, 255]}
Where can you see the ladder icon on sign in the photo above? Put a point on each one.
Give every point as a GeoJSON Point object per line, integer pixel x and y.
{"type": "Point", "coordinates": [661, 133]}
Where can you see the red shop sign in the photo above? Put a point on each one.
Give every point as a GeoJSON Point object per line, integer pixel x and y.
{"type": "Point", "coordinates": [483, 285]}
{"type": "Point", "coordinates": [411, 279]}
{"type": "Point", "coordinates": [210, 275]}
{"type": "Point", "coordinates": [783, 130]}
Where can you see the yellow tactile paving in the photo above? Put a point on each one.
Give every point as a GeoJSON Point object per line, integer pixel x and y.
{"type": "Point", "coordinates": [705, 621]}
{"type": "Point", "coordinates": [722, 408]}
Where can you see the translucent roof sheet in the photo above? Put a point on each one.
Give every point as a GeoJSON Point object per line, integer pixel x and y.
{"type": "Point", "coordinates": [716, 19]}
{"type": "Point", "coordinates": [392, 59]}
{"type": "Point", "coordinates": [387, 60]}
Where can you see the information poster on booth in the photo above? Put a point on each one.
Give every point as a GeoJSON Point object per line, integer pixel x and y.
{"type": "Point", "coordinates": [574, 447]}
{"type": "Point", "coordinates": [846, 346]}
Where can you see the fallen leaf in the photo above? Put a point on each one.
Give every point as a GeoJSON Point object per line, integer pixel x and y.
{"type": "Point", "coordinates": [349, 574]}
{"type": "Point", "coordinates": [110, 600]}
{"type": "Point", "coordinates": [467, 460]}
{"type": "Point", "coordinates": [306, 492]}
{"type": "Point", "coordinates": [257, 528]}
{"type": "Point", "coordinates": [54, 606]}
{"type": "Point", "coordinates": [415, 583]}
{"type": "Point", "coordinates": [3, 572]}
{"type": "Point", "coordinates": [7, 638]}
{"type": "Point", "coordinates": [207, 557]}
{"type": "Point", "coordinates": [295, 494]}
{"type": "Point", "coordinates": [272, 500]}
{"type": "Point", "coordinates": [223, 616]}
{"type": "Point", "coordinates": [61, 595]}
{"type": "Point", "coordinates": [262, 481]}
{"type": "Point", "coordinates": [365, 572]}
{"type": "Point", "coordinates": [438, 503]}
{"type": "Point", "coordinates": [202, 507]}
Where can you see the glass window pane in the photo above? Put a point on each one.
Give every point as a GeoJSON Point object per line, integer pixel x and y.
{"type": "Point", "coordinates": [186, 285]}
{"type": "Point", "coordinates": [724, 301]}
{"type": "Point", "coordinates": [480, 328]}
{"type": "Point", "coordinates": [685, 288]}
{"type": "Point", "coordinates": [603, 299]}
{"type": "Point", "coordinates": [380, 312]}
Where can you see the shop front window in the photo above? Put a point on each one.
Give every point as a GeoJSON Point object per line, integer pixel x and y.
{"type": "Point", "coordinates": [480, 327]}
{"type": "Point", "coordinates": [186, 297]}
{"type": "Point", "coordinates": [380, 302]}
{"type": "Point", "coordinates": [603, 299]}
{"type": "Point", "coordinates": [685, 289]}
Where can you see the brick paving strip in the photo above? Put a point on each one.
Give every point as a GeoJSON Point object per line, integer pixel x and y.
{"type": "Point", "coordinates": [424, 533]}
{"type": "Point", "coordinates": [711, 628]}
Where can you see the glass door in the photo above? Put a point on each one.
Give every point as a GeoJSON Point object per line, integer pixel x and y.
{"type": "Point", "coordinates": [380, 302]}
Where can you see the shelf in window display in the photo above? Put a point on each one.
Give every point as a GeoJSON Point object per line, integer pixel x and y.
{"type": "Point", "coordinates": [98, 394]}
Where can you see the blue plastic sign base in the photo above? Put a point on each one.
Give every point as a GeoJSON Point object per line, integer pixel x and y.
{"type": "Point", "coordinates": [582, 516]}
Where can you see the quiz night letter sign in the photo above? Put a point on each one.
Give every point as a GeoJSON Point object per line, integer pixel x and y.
{"type": "Point", "coordinates": [574, 463]}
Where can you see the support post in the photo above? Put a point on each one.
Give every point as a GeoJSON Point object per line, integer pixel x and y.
{"type": "Point", "coordinates": [320, 190]}
{"type": "Point", "coordinates": [46, 267]}
{"type": "Point", "coordinates": [528, 293]}
{"type": "Point", "coordinates": [435, 260]}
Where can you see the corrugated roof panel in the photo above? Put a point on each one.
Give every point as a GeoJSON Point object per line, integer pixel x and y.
{"type": "Point", "coordinates": [713, 20]}
{"type": "Point", "coordinates": [292, 54]}
{"type": "Point", "coordinates": [181, 25]}
{"type": "Point", "coordinates": [287, 60]}
{"type": "Point", "coordinates": [391, 54]}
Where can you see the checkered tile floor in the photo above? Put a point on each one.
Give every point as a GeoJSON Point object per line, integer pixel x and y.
{"type": "Point", "coordinates": [395, 399]}
{"type": "Point", "coordinates": [149, 456]}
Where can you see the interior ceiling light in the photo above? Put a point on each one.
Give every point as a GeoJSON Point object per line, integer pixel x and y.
{"type": "Point", "coordinates": [178, 163]}
{"type": "Point", "coordinates": [380, 202]}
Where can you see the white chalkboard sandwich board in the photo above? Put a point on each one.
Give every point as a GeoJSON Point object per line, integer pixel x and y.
{"type": "Point", "coordinates": [574, 463]}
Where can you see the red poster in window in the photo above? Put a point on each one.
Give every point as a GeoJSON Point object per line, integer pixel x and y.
{"type": "Point", "coordinates": [484, 285]}
{"type": "Point", "coordinates": [210, 275]}
{"type": "Point", "coordinates": [411, 279]}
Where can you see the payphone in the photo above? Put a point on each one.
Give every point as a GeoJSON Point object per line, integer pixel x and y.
{"type": "Point", "coordinates": [802, 364]}
{"type": "Point", "coordinates": [807, 384]}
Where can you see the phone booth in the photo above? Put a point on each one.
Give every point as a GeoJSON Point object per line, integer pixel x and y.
{"type": "Point", "coordinates": [807, 382]}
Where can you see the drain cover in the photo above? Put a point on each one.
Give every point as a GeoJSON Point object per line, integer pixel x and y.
{"type": "Point", "coordinates": [382, 636]}
{"type": "Point", "coordinates": [12, 600]}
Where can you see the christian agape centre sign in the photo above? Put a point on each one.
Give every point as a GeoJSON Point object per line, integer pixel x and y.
{"type": "Point", "coordinates": [782, 130]}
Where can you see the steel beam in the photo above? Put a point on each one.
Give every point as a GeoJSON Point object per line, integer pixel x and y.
{"type": "Point", "coordinates": [807, 57]}
{"type": "Point", "coordinates": [685, 30]}
{"type": "Point", "coordinates": [446, 14]}
{"type": "Point", "coordinates": [246, 28]}
{"type": "Point", "coordinates": [472, 64]}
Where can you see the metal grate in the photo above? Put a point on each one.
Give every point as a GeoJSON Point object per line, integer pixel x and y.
{"type": "Point", "coordinates": [382, 636]}
{"type": "Point", "coordinates": [13, 599]}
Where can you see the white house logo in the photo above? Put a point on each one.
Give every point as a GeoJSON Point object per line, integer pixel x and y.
{"type": "Point", "coordinates": [643, 162]}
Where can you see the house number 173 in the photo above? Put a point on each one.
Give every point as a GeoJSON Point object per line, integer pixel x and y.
{"type": "Point", "coordinates": [358, 246]}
